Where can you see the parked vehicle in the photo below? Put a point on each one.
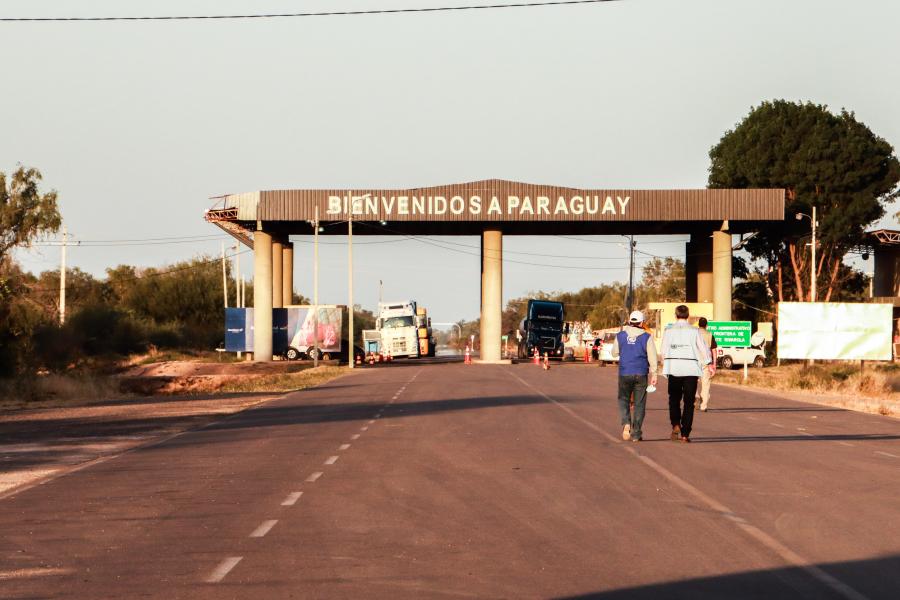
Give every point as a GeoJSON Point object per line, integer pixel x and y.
{"type": "Point", "coordinates": [602, 347]}
{"type": "Point", "coordinates": [543, 329]}
{"type": "Point", "coordinates": [755, 355]}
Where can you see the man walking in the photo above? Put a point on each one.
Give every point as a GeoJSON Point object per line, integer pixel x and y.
{"type": "Point", "coordinates": [637, 363]}
{"type": "Point", "coordinates": [708, 374]}
{"type": "Point", "coordinates": [685, 357]}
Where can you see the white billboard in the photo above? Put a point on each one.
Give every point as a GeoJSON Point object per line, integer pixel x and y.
{"type": "Point", "coordinates": [834, 330]}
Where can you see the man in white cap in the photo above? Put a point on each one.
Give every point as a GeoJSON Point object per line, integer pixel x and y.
{"type": "Point", "coordinates": [637, 364]}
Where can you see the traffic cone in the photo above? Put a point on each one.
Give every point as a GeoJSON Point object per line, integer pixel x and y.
{"type": "Point", "coordinates": [537, 357]}
{"type": "Point", "coordinates": [587, 354]}
{"type": "Point", "coordinates": [546, 362]}
{"type": "Point", "coordinates": [390, 357]}
{"type": "Point", "coordinates": [468, 360]}
{"type": "Point", "coordinates": [358, 359]}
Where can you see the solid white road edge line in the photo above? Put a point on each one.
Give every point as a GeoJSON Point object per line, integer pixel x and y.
{"type": "Point", "coordinates": [759, 535]}
{"type": "Point", "coordinates": [292, 499]}
{"type": "Point", "coordinates": [223, 569]}
{"type": "Point", "coordinates": [263, 528]}
{"type": "Point", "coordinates": [313, 477]}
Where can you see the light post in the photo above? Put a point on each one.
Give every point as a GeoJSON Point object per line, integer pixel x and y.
{"type": "Point", "coordinates": [316, 289]}
{"type": "Point", "coordinates": [351, 351]}
{"type": "Point", "coordinates": [812, 270]}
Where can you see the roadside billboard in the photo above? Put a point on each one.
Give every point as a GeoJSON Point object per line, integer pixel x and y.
{"type": "Point", "coordinates": [834, 330]}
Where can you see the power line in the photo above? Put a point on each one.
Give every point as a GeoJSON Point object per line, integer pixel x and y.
{"type": "Point", "coordinates": [342, 13]}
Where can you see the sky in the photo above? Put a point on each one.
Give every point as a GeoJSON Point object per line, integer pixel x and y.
{"type": "Point", "coordinates": [138, 124]}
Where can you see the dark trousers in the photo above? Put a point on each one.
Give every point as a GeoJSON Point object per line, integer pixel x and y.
{"type": "Point", "coordinates": [682, 390]}
{"type": "Point", "coordinates": [637, 385]}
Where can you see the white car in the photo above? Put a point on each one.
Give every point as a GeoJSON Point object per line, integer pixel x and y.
{"type": "Point", "coordinates": [602, 348]}
{"type": "Point", "coordinates": [755, 355]}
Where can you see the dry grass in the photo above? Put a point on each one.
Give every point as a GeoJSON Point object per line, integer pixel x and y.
{"type": "Point", "coordinates": [51, 390]}
{"type": "Point", "coordinates": [875, 389]}
{"type": "Point", "coordinates": [284, 382]}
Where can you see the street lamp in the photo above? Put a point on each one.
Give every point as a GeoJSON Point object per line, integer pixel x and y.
{"type": "Point", "coordinates": [812, 270]}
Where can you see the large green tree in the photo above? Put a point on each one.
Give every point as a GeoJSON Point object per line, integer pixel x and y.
{"type": "Point", "coordinates": [25, 212]}
{"type": "Point", "coordinates": [830, 161]}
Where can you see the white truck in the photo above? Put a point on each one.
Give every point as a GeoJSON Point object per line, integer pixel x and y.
{"type": "Point", "coordinates": [402, 325]}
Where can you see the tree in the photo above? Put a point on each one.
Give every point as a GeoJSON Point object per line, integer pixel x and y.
{"type": "Point", "coordinates": [663, 280]}
{"type": "Point", "coordinates": [25, 213]}
{"type": "Point", "coordinates": [821, 159]}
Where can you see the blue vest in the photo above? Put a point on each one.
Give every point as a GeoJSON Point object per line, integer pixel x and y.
{"type": "Point", "coordinates": [633, 354]}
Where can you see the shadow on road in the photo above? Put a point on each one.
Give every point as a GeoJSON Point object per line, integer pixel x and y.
{"type": "Point", "coordinates": [871, 578]}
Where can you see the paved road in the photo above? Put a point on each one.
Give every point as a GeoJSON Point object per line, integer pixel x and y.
{"type": "Point", "coordinates": [450, 481]}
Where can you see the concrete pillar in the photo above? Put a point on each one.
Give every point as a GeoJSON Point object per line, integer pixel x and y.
{"type": "Point", "coordinates": [287, 273]}
{"type": "Point", "coordinates": [721, 275]}
{"type": "Point", "coordinates": [277, 272]}
{"type": "Point", "coordinates": [690, 272]}
{"type": "Point", "coordinates": [703, 255]}
{"type": "Point", "coordinates": [262, 297]}
{"type": "Point", "coordinates": [491, 295]}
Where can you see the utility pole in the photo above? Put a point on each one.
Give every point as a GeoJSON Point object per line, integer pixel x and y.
{"type": "Point", "coordinates": [350, 351]}
{"type": "Point", "coordinates": [812, 271]}
{"type": "Point", "coordinates": [224, 278]}
{"type": "Point", "coordinates": [316, 289]}
{"type": "Point", "coordinates": [238, 300]}
{"type": "Point", "coordinates": [62, 279]}
{"type": "Point", "coordinates": [630, 301]}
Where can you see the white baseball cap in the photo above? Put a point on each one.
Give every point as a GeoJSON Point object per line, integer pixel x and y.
{"type": "Point", "coordinates": [636, 317]}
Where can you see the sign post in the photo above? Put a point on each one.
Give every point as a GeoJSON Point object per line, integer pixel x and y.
{"type": "Point", "coordinates": [732, 334]}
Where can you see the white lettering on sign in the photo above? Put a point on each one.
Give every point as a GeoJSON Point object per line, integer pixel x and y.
{"type": "Point", "coordinates": [515, 206]}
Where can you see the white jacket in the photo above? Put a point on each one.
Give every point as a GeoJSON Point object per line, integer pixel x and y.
{"type": "Point", "coordinates": [683, 351]}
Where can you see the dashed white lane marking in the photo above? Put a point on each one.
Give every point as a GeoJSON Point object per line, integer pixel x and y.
{"type": "Point", "coordinates": [264, 528]}
{"type": "Point", "coordinates": [355, 436]}
{"type": "Point", "coordinates": [371, 421]}
{"type": "Point", "coordinates": [776, 425]}
{"type": "Point", "coordinates": [364, 428]}
{"type": "Point", "coordinates": [846, 444]}
{"type": "Point", "coordinates": [343, 446]}
{"type": "Point", "coordinates": [886, 454]}
{"type": "Point", "coordinates": [752, 418]}
{"type": "Point", "coordinates": [313, 477]}
{"type": "Point", "coordinates": [223, 569]}
{"type": "Point", "coordinates": [758, 534]}
{"type": "Point", "coordinates": [331, 460]}
{"type": "Point", "coordinates": [292, 499]}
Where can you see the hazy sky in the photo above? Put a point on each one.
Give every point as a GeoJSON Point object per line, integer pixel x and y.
{"type": "Point", "coordinates": [137, 124]}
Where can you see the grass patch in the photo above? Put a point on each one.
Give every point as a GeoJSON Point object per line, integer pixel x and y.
{"type": "Point", "coordinates": [52, 390]}
{"type": "Point", "coordinates": [875, 389]}
{"type": "Point", "coordinates": [283, 382]}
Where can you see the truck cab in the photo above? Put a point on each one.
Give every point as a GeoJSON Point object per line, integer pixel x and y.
{"type": "Point", "coordinates": [543, 329]}
{"type": "Point", "coordinates": [397, 325]}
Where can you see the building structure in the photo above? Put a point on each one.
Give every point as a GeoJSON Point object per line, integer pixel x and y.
{"type": "Point", "coordinates": [491, 209]}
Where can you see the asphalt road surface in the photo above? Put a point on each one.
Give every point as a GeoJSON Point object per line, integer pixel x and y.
{"type": "Point", "coordinates": [457, 481]}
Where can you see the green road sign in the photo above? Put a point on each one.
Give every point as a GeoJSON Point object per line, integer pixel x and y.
{"type": "Point", "coordinates": [733, 334]}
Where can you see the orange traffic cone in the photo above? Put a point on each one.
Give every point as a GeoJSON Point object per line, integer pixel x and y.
{"type": "Point", "coordinates": [587, 354]}
{"type": "Point", "coordinates": [390, 357]}
{"type": "Point", "coordinates": [358, 359]}
{"type": "Point", "coordinates": [468, 360]}
{"type": "Point", "coordinates": [537, 357]}
{"type": "Point", "coordinates": [546, 362]}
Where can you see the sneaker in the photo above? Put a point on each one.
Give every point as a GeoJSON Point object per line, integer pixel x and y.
{"type": "Point", "coordinates": [676, 433]}
{"type": "Point", "coordinates": [626, 432]}
{"type": "Point", "coordinates": [635, 439]}
{"type": "Point", "coordinates": [686, 439]}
